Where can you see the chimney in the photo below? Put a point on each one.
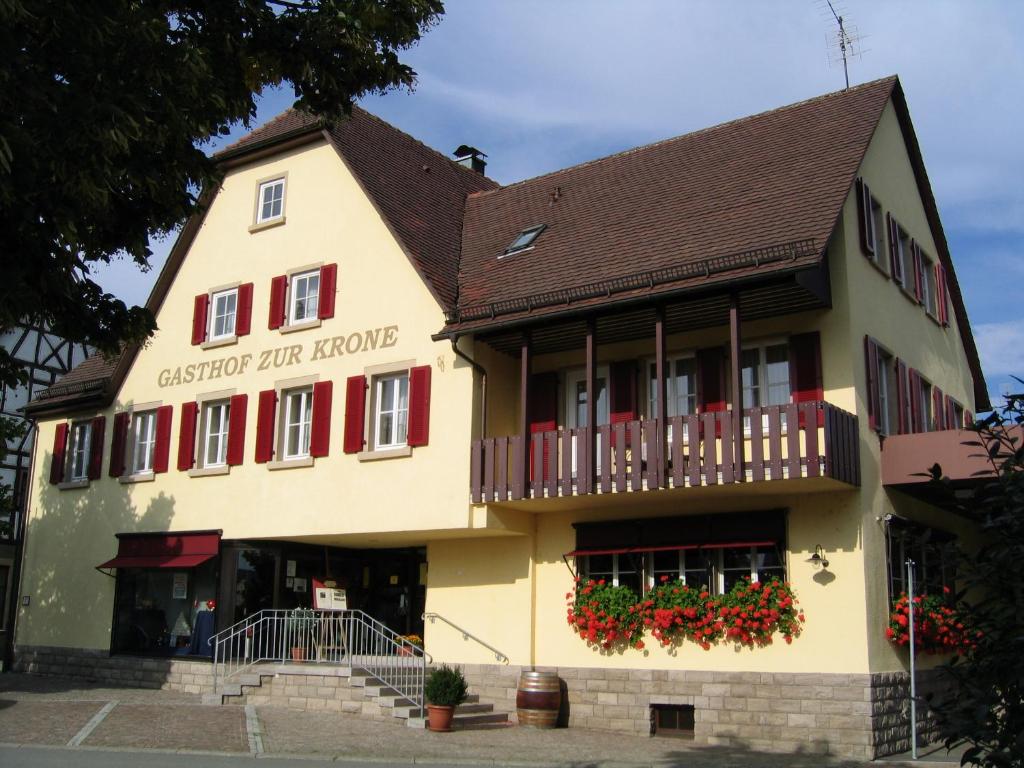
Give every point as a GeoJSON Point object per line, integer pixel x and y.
{"type": "Point", "coordinates": [471, 157]}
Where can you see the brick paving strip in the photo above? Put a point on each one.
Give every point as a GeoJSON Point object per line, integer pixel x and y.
{"type": "Point", "coordinates": [252, 729]}
{"type": "Point", "coordinates": [89, 727]}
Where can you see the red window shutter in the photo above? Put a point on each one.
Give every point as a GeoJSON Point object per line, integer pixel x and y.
{"type": "Point", "coordinates": [918, 274]}
{"type": "Point", "coordinates": [864, 218]}
{"type": "Point", "coordinates": [265, 417]}
{"type": "Point", "coordinates": [873, 398]}
{"type": "Point", "coordinates": [951, 422]}
{"type": "Point", "coordinates": [236, 429]}
{"type": "Point", "coordinates": [243, 316]}
{"type": "Point", "coordinates": [419, 405]}
{"type": "Point", "coordinates": [902, 397]}
{"type": "Point", "coordinates": [162, 449]}
{"type": "Point", "coordinates": [968, 419]}
{"type": "Point", "coordinates": [543, 410]}
{"type": "Point", "coordinates": [187, 436]}
{"type": "Point", "coordinates": [60, 444]}
{"type": "Point", "coordinates": [96, 433]}
{"type": "Point", "coordinates": [328, 291]}
{"type": "Point", "coordinates": [199, 314]}
{"type": "Point", "coordinates": [117, 444]}
{"type": "Point", "coordinates": [896, 266]}
{"type": "Point", "coordinates": [278, 290]}
{"type": "Point", "coordinates": [916, 422]}
{"type": "Point", "coordinates": [938, 409]}
{"type": "Point", "coordinates": [805, 380]}
{"type": "Point", "coordinates": [320, 430]}
{"type": "Point", "coordinates": [355, 413]}
{"type": "Point", "coordinates": [942, 293]}
{"type": "Point", "coordinates": [622, 391]}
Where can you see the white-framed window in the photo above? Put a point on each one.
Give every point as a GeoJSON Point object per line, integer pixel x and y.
{"type": "Point", "coordinates": [718, 569]}
{"type": "Point", "coordinates": [764, 375]}
{"type": "Point", "coordinates": [303, 297]}
{"type": "Point", "coordinates": [924, 394]}
{"type": "Point", "coordinates": [904, 258]}
{"type": "Point", "coordinates": [78, 456]}
{"type": "Point", "coordinates": [215, 434]}
{"type": "Point", "coordinates": [223, 311]}
{"type": "Point", "coordinates": [681, 386]}
{"type": "Point", "coordinates": [270, 204]}
{"type": "Point", "coordinates": [877, 221]}
{"type": "Point", "coordinates": [297, 423]}
{"type": "Point", "coordinates": [143, 440]}
{"type": "Point", "coordinates": [391, 410]}
{"type": "Point", "coordinates": [888, 393]}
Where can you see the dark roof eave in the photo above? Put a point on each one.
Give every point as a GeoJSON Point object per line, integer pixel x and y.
{"type": "Point", "coordinates": [93, 398]}
{"type": "Point", "coordinates": [252, 150]}
{"type": "Point", "coordinates": [454, 333]}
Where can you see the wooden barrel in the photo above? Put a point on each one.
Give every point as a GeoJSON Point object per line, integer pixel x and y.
{"type": "Point", "coordinates": [538, 699]}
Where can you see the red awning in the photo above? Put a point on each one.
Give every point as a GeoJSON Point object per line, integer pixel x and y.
{"type": "Point", "coordinates": [670, 548]}
{"type": "Point", "coordinates": [164, 550]}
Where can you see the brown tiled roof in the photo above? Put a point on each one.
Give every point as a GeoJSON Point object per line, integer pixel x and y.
{"type": "Point", "coordinates": [87, 381]}
{"type": "Point", "coordinates": [762, 182]}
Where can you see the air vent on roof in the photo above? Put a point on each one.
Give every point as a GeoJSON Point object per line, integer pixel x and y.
{"type": "Point", "coordinates": [524, 240]}
{"type": "Point", "coordinates": [471, 157]}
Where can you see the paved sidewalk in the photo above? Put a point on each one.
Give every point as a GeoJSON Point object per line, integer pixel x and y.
{"type": "Point", "coordinates": [64, 713]}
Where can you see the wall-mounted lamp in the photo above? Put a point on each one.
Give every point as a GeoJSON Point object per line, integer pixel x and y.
{"type": "Point", "coordinates": [818, 558]}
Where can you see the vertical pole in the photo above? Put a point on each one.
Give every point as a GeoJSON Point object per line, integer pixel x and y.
{"type": "Point", "coordinates": [591, 375]}
{"type": "Point", "coordinates": [913, 665]}
{"type": "Point", "coordinates": [661, 385]}
{"type": "Point", "coordinates": [737, 392]}
{"type": "Point", "coordinates": [525, 364]}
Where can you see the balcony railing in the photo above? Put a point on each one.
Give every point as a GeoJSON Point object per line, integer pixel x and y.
{"type": "Point", "coordinates": [782, 442]}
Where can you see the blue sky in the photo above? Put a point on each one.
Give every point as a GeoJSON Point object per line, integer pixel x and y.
{"type": "Point", "coordinates": [540, 85]}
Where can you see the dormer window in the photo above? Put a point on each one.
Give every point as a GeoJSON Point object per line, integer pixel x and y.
{"type": "Point", "coordinates": [524, 240]}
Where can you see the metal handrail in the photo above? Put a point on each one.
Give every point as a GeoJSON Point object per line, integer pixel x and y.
{"type": "Point", "coordinates": [498, 655]}
{"type": "Point", "coordinates": [351, 638]}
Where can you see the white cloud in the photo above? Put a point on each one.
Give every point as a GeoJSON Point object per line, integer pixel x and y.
{"type": "Point", "coordinates": [1001, 346]}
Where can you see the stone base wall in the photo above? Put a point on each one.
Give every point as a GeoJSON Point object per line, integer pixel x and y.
{"type": "Point", "coordinates": [93, 666]}
{"type": "Point", "coordinates": [316, 692]}
{"type": "Point", "coordinates": [850, 715]}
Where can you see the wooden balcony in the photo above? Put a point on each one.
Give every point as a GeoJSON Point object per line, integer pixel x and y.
{"type": "Point", "coordinates": [784, 442]}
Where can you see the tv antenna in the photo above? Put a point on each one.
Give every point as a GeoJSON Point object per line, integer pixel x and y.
{"type": "Point", "coordinates": [845, 41]}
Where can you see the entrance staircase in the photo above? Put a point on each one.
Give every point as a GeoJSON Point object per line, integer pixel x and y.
{"type": "Point", "coordinates": [330, 661]}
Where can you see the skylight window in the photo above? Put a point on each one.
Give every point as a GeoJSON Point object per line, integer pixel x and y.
{"type": "Point", "coordinates": [525, 239]}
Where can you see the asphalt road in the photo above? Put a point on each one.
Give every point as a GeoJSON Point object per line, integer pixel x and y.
{"type": "Point", "coordinates": [55, 757]}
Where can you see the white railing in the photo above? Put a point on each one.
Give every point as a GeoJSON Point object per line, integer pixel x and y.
{"type": "Point", "coordinates": [498, 655]}
{"type": "Point", "coordinates": [350, 638]}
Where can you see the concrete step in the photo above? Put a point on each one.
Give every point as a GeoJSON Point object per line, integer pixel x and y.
{"type": "Point", "coordinates": [476, 708]}
{"type": "Point", "coordinates": [489, 718]}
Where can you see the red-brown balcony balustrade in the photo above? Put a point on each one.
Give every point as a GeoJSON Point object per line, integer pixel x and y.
{"type": "Point", "coordinates": [781, 442]}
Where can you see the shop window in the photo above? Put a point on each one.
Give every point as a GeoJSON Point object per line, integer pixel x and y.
{"type": "Point", "coordinates": [158, 609]}
{"type": "Point", "coordinates": [143, 436]}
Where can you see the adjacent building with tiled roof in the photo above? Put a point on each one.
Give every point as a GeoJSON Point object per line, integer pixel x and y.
{"type": "Point", "coordinates": [516, 420]}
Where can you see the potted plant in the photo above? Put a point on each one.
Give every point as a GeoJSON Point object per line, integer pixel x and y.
{"type": "Point", "coordinates": [300, 628]}
{"type": "Point", "coordinates": [410, 645]}
{"type": "Point", "coordinates": [445, 690]}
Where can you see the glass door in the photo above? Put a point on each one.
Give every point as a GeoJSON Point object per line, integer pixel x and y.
{"type": "Point", "coordinates": [576, 405]}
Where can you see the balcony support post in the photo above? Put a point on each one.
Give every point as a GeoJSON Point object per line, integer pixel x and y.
{"type": "Point", "coordinates": [523, 449]}
{"type": "Point", "coordinates": [737, 392]}
{"type": "Point", "coordinates": [591, 376]}
{"type": "Point", "coordinates": [662, 395]}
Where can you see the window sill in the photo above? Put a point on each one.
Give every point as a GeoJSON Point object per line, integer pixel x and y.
{"type": "Point", "coordinates": [209, 471]}
{"type": "Point", "coordinates": [226, 341]}
{"type": "Point", "coordinates": [270, 224]}
{"type": "Point", "coordinates": [303, 326]}
{"type": "Point", "coordinates": [385, 453]}
{"type": "Point", "coordinates": [934, 319]}
{"type": "Point", "coordinates": [875, 263]}
{"type": "Point", "coordinates": [306, 461]}
{"type": "Point", "coordinates": [72, 484]}
{"type": "Point", "coordinates": [139, 477]}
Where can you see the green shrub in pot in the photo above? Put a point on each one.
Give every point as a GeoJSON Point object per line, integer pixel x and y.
{"type": "Point", "coordinates": [446, 687]}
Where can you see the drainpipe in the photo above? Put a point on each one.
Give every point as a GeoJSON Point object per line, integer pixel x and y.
{"type": "Point", "coordinates": [483, 383]}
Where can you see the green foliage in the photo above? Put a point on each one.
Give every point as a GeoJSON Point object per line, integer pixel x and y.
{"type": "Point", "coordinates": [300, 624]}
{"type": "Point", "coordinates": [10, 430]}
{"type": "Point", "coordinates": [446, 687]}
{"type": "Point", "coordinates": [986, 709]}
{"type": "Point", "coordinates": [105, 107]}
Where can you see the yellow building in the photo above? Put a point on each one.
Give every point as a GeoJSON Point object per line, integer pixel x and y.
{"type": "Point", "coordinates": [376, 367]}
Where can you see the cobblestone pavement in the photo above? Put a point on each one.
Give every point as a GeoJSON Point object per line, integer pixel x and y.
{"type": "Point", "coordinates": [52, 711]}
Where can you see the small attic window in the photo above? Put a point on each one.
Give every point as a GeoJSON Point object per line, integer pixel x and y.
{"type": "Point", "coordinates": [525, 239]}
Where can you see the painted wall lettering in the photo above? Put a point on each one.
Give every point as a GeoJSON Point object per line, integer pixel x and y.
{"type": "Point", "coordinates": [280, 357]}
